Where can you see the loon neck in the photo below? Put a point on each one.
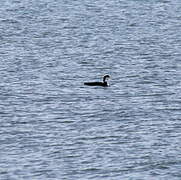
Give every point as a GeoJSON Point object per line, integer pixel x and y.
{"type": "Point", "coordinates": [105, 83]}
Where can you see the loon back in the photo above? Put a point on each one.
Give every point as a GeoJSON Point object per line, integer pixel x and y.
{"type": "Point", "coordinates": [96, 84]}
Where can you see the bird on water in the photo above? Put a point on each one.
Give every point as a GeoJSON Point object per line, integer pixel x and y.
{"type": "Point", "coordinates": [104, 83]}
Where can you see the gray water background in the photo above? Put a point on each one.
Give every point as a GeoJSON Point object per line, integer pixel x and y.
{"type": "Point", "coordinates": [54, 127]}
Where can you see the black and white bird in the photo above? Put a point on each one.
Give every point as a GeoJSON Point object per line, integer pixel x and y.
{"type": "Point", "coordinates": [104, 83]}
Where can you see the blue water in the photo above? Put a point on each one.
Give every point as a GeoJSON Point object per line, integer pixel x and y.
{"type": "Point", "coordinates": [55, 128]}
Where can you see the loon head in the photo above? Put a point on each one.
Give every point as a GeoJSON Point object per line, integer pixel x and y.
{"type": "Point", "coordinates": [105, 78]}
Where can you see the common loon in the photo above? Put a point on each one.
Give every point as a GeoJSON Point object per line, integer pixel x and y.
{"type": "Point", "coordinates": [104, 83]}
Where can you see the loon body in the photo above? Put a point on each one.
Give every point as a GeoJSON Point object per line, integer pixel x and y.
{"type": "Point", "coordinates": [104, 83]}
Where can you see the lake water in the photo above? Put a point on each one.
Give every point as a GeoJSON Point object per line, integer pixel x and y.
{"type": "Point", "coordinates": [55, 128]}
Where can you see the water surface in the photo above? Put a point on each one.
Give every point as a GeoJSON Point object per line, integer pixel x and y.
{"type": "Point", "coordinates": [54, 127]}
